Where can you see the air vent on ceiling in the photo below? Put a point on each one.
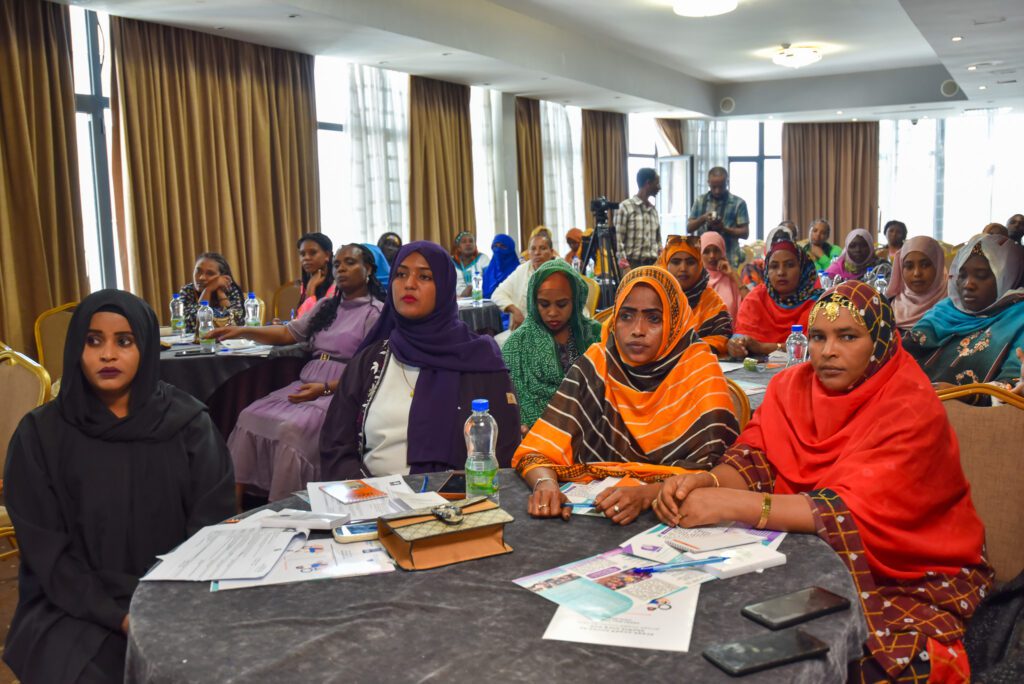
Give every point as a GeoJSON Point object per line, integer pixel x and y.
{"type": "Point", "coordinates": [1002, 72]}
{"type": "Point", "coordinates": [1006, 82]}
{"type": "Point", "coordinates": [727, 105]}
{"type": "Point", "coordinates": [949, 88]}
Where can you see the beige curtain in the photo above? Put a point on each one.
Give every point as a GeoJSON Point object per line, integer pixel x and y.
{"type": "Point", "coordinates": [214, 150]}
{"type": "Point", "coordinates": [831, 170]}
{"type": "Point", "coordinates": [530, 168]}
{"type": "Point", "coordinates": [42, 255]}
{"type": "Point", "coordinates": [604, 157]}
{"type": "Point", "coordinates": [672, 131]}
{"type": "Point", "coordinates": [440, 161]}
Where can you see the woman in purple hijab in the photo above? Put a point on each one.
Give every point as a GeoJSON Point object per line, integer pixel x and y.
{"type": "Point", "coordinates": [405, 397]}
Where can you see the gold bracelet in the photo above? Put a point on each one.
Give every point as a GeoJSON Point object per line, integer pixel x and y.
{"type": "Point", "coordinates": [543, 479]}
{"type": "Point", "coordinates": [766, 509]}
{"type": "Point", "coordinates": [714, 477]}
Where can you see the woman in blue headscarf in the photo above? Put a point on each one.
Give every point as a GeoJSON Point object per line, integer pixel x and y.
{"type": "Point", "coordinates": [383, 271]}
{"type": "Point", "coordinates": [503, 261]}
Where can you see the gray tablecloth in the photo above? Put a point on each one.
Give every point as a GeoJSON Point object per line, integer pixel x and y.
{"type": "Point", "coordinates": [465, 622]}
{"type": "Point", "coordinates": [485, 319]}
{"type": "Point", "coordinates": [202, 374]}
{"type": "Point", "coordinates": [754, 377]}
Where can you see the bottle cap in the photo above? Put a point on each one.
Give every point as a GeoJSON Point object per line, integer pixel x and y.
{"type": "Point", "coordinates": [204, 302]}
{"type": "Point", "coordinates": [176, 295]}
{"type": "Point", "coordinates": [252, 295]}
{"type": "Point", "coordinates": [481, 404]}
{"type": "Point", "coordinates": [797, 328]}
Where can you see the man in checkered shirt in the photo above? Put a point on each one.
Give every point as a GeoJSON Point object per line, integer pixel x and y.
{"type": "Point", "coordinates": [637, 224]}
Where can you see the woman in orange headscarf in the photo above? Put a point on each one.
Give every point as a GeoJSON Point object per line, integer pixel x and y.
{"type": "Point", "coordinates": [648, 401]}
{"type": "Point", "coordinates": [575, 238]}
{"type": "Point", "coordinates": [682, 258]}
{"type": "Point", "coordinates": [856, 448]}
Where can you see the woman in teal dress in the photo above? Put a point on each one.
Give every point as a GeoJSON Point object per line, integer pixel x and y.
{"type": "Point", "coordinates": [972, 336]}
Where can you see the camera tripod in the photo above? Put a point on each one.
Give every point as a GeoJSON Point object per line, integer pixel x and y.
{"type": "Point", "coordinates": [602, 248]}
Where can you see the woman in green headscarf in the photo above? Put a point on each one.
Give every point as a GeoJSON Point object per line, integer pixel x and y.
{"type": "Point", "coordinates": [555, 333]}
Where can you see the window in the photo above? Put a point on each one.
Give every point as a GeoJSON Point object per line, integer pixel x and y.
{"type": "Point", "coordinates": [91, 68]}
{"type": "Point", "coordinates": [645, 145]}
{"type": "Point", "coordinates": [333, 155]}
{"type": "Point", "coordinates": [755, 171]}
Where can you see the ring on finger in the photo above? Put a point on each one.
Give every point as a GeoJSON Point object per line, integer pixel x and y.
{"type": "Point", "coordinates": [542, 506]}
{"type": "Point", "coordinates": [616, 508]}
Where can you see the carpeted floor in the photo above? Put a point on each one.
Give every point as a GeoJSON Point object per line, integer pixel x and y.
{"type": "Point", "coordinates": [8, 600]}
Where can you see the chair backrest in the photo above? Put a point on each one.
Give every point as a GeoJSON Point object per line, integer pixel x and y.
{"type": "Point", "coordinates": [740, 403]}
{"type": "Point", "coordinates": [26, 385]}
{"type": "Point", "coordinates": [593, 295]}
{"type": "Point", "coordinates": [51, 331]}
{"type": "Point", "coordinates": [990, 440]}
{"type": "Point", "coordinates": [286, 298]}
{"type": "Point", "coordinates": [263, 311]}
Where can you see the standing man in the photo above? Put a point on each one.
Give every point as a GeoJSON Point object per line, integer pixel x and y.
{"type": "Point", "coordinates": [637, 223]}
{"type": "Point", "coordinates": [721, 211]}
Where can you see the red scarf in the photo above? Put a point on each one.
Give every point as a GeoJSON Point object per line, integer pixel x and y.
{"type": "Point", "coordinates": [764, 320]}
{"type": "Point", "coordinates": [887, 449]}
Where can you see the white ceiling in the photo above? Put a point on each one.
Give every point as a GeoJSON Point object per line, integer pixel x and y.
{"type": "Point", "coordinates": [636, 55]}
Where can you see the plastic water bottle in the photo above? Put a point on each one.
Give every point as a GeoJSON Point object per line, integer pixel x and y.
{"type": "Point", "coordinates": [252, 311]}
{"type": "Point", "coordinates": [478, 288]}
{"type": "Point", "coordinates": [204, 324]}
{"type": "Point", "coordinates": [881, 284]}
{"type": "Point", "coordinates": [590, 269]}
{"type": "Point", "coordinates": [577, 265]}
{"type": "Point", "coordinates": [838, 280]}
{"type": "Point", "coordinates": [825, 281]}
{"type": "Point", "coordinates": [796, 346]}
{"type": "Point", "coordinates": [177, 316]}
{"type": "Point", "coordinates": [481, 464]}
{"type": "Point", "coordinates": [869, 276]}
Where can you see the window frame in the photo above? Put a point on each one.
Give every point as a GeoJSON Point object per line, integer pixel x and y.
{"type": "Point", "coordinates": [759, 159]}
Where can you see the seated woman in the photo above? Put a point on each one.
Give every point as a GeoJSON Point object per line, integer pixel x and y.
{"type": "Point", "coordinates": [510, 295]}
{"type": "Point", "coordinates": [574, 238]}
{"type": "Point", "coordinates": [555, 333]}
{"type": "Point", "coordinates": [752, 273]}
{"type": "Point", "coordinates": [818, 247]}
{"type": "Point", "coordinates": [918, 280]}
{"type": "Point", "coordinates": [856, 448]}
{"type": "Point", "coordinates": [895, 235]}
{"type": "Point", "coordinates": [539, 230]}
{"type": "Point", "coordinates": [315, 251]}
{"type": "Point", "coordinates": [117, 470]}
{"type": "Point", "coordinates": [383, 270]}
{"type": "Point", "coordinates": [767, 314]}
{"type": "Point", "coordinates": [682, 258]}
{"type": "Point", "coordinates": [405, 397]}
{"type": "Point", "coordinates": [467, 259]}
{"type": "Point", "coordinates": [720, 273]}
{"type": "Point", "coordinates": [275, 443]}
{"type": "Point", "coordinates": [648, 402]}
{"type": "Point", "coordinates": [212, 282]}
{"type": "Point", "coordinates": [389, 244]}
{"type": "Point", "coordinates": [857, 258]}
{"type": "Point", "coordinates": [972, 335]}
{"type": "Point", "coordinates": [504, 261]}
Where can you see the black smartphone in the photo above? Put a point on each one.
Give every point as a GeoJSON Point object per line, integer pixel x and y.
{"type": "Point", "coordinates": [800, 606]}
{"type": "Point", "coordinates": [764, 651]}
{"type": "Point", "coordinates": [192, 352]}
{"type": "Point", "coordinates": [454, 488]}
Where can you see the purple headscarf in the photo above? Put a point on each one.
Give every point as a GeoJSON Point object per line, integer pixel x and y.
{"type": "Point", "coordinates": [442, 347]}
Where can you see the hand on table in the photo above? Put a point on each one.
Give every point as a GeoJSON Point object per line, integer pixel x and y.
{"type": "Point", "coordinates": [228, 332]}
{"type": "Point", "coordinates": [307, 392]}
{"type": "Point", "coordinates": [622, 505]}
{"type": "Point", "coordinates": [676, 490]}
{"type": "Point", "coordinates": [737, 346]}
{"type": "Point", "coordinates": [546, 502]}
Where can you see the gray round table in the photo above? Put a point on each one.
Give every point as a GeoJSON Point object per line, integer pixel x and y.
{"type": "Point", "coordinates": [483, 319]}
{"type": "Point", "coordinates": [465, 622]}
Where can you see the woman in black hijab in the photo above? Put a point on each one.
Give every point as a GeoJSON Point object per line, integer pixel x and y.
{"type": "Point", "coordinates": [120, 468]}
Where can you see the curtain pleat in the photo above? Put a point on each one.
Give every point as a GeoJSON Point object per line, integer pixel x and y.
{"type": "Point", "coordinates": [831, 170]}
{"type": "Point", "coordinates": [604, 157]}
{"type": "Point", "coordinates": [215, 149]}
{"type": "Point", "coordinates": [672, 131]}
{"type": "Point", "coordinates": [42, 250]}
{"type": "Point", "coordinates": [440, 161]}
{"type": "Point", "coordinates": [530, 167]}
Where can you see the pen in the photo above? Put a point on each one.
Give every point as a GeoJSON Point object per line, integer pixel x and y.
{"type": "Point", "coordinates": [677, 566]}
{"type": "Point", "coordinates": [426, 480]}
{"type": "Point", "coordinates": [582, 504]}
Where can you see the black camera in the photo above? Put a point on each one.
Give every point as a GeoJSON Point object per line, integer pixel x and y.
{"type": "Point", "coordinates": [600, 207]}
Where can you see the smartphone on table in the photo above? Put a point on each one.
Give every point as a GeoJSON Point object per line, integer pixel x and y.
{"type": "Point", "coordinates": [764, 651]}
{"type": "Point", "coordinates": [791, 609]}
{"type": "Point", "coordinates": [454, 488]}
{"type": "Point", "coordinates": [356, 532]}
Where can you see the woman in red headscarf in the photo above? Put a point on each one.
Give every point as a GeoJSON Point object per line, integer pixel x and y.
{"type": "Point", "coordinates": [769, 312]}
{"type": "Point", "coordinates": [856, 448]}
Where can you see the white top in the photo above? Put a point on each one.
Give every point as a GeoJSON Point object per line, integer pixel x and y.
{"type": "Point", "coordinates": [512, 290]}
{"type": "Point", "coordinates": [464, 278]}
{"type": "Point", "coordinates": [387, 420]}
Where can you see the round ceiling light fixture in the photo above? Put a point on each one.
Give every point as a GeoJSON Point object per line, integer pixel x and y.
{"type": "Point", "coordinates": [796, 56]}
{"type": "Point", "coordinates": [703, 8]}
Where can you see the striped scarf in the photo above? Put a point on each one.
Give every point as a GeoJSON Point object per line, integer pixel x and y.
{"type": "Point", "coordinates": [610, 417]}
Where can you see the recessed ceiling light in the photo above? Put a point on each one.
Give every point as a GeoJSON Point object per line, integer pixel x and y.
{"type": "Point", "coordinates": [972, 68]}
{"type": "Point", "coordinates": [771, 116]}
{"type": "Point", "coordinates": [796, 56]}
{"type": "Point", "coordinates": [982, 87]}
{"type": "Point", "coordinates": [839, 112]}
{"type": "Point", "coordinates": [855, 119]}
{"type": "Point", "coordinates": [957, 39]}
{"type": "Point", "coordinates": [703, 8]}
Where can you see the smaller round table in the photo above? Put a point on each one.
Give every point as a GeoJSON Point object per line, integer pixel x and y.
{"type": "Point", "coordinates": [484, 318]}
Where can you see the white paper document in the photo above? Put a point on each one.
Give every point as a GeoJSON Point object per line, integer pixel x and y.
{"type": "Point", "coordinates": [663, 624]}
{"type": "Point", "coordinates": [224, 552]}
{"type": "Point", "coordinates": [400, 498]}
{"type": "Point", "coordinates": [730, 366]}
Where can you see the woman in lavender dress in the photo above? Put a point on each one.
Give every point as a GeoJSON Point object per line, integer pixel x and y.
{"type": "Point", "coordinates": [274, 445]}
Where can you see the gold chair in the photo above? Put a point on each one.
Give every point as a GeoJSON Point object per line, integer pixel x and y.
{"type": "Point", "coordinates": [593, 295]}
{"type": "Point", "coordinates": [51, 330]}
{"type": "Point", "coordinates": [263, 311]}
{"type": "Point", "coordinates": [286, 299]}
{"type": "Point", "coordinates": [990, 453]}
{"type": "Point", "coordinates": [27, 385]}
{"type": "Point", "coordinates": [740, 403]}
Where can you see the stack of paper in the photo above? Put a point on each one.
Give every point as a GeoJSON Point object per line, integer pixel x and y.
{"type": "Point", "coordinates": [741, 560]}
{"type": "Point", "coordinates": [400, 497]}
{"type": "Point", "coordinates": [222, 552]}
